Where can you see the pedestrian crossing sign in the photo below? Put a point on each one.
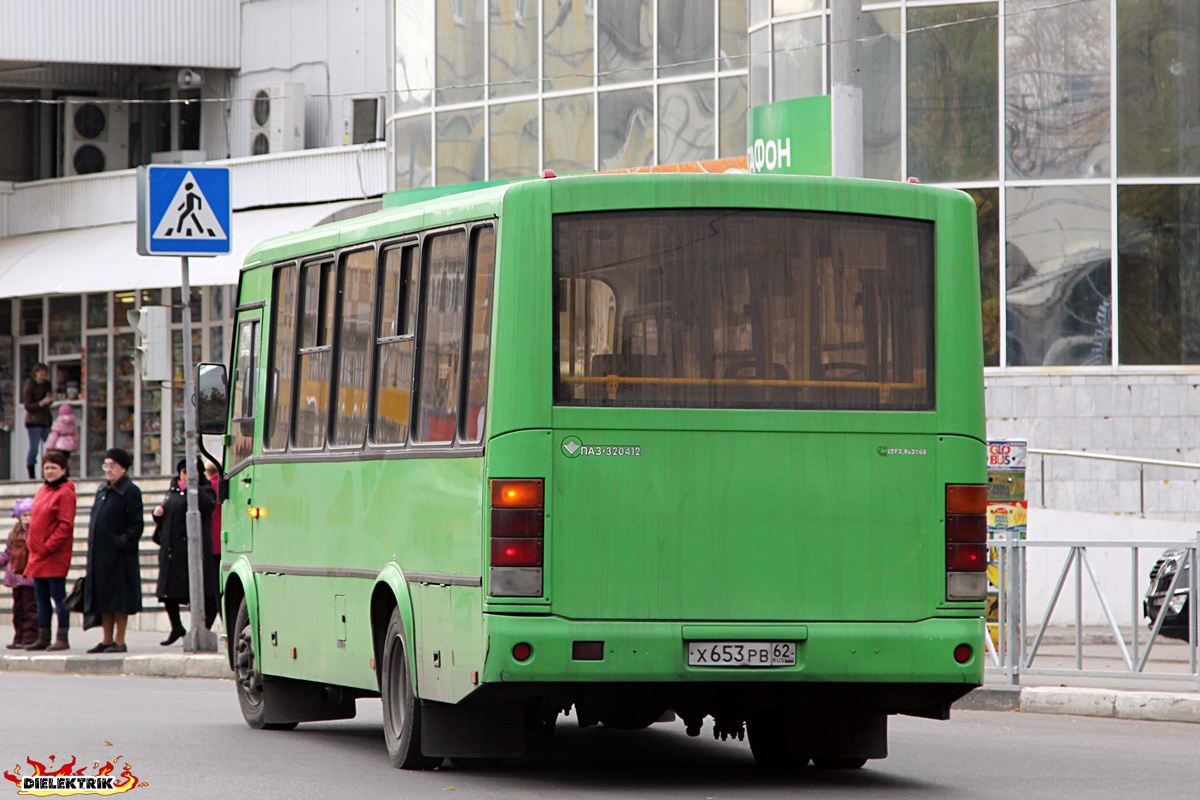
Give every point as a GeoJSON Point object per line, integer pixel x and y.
{"type": "Point", "coordinates": [183, 210]}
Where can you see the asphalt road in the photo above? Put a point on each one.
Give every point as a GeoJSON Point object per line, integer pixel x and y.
{"type": "Point", "coordinates": [185, 739]}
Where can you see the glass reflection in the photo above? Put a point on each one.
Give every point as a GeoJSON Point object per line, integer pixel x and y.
{"type": "Point", "coordinates": [1158, 274]}
{"type": "Point", "coordinates": [1158, 87]}
{"type": "Point", "coordinates": [784, 7]}
{"type": "Point", "coordinates": [1056, 93]}
{"type": "Point", "coordinates": [414, 152]}
{"type": "Point", "coordinates": [513, 140]}
{"type": "Point", "coordinates": [626, 129]}
{"type": "Point", "coordinates": [1058, 262]}
{"type": "Point", "coordinates": [760, 67]}
{"type": "Point", "coordinates": [732, 23]}
{"type": "Point", "coordinates": [414, 55]}
{"type": "Point", "coordinates": [460, 51]}
{"type": "Point", "coordinates": [567, 134]}
{"type": "Point", "coordinates": [686, 122]}
{"type": "Point", "coordinates": [798, 59]}
{"type": "Point", "coordinates": [685, 38]}
{"type": "Point", "coordinates": [987, 204]}
{"type": "Point", "coordinates": [952, 92]}
{"type": "Point", "coordinates": [460, 146]}
{"type": "Point", "coordinates": [513, 40]}
{"type": "Point", "coordinates": [881, 94]}
{"type": "Point", "coordinates": [734, 102]}
{"type": "Point", "coordinates": [567, 44]}
{"type": "Point", "coordinates": [624, 41]}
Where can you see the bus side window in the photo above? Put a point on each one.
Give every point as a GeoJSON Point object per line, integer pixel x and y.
{"type": "Point", "coordinates": [441, 337]}
{"type": "Point", "coordinates": [283, 359]}
{"type": "Point", "coordinates": [480, 331]}
{"type": "Point", "coordinates": [242, 405]}
{"type": "Point", "coordinates": [356, 281]}
{"type": "Point", "coordinates": [395, 336]}
{"type": "Point", "coordinates": [317, 290]}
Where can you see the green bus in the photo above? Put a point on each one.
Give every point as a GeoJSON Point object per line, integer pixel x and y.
{"type": "Point", "coordinates": [633, 447]}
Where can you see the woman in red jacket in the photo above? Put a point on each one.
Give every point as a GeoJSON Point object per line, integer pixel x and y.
{"type": "Point", "coordinates": [51, 539]}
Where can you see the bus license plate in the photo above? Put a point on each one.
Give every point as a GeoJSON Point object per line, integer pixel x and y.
{"type": "Point", "coordinates": [741, 654]}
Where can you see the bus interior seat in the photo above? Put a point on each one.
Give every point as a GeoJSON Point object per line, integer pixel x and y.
{"type": "Point", "coordinates": [747, 367]}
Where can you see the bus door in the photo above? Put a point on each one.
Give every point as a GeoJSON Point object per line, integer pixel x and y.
{"type": "Point", "coordinates": [237, 521]}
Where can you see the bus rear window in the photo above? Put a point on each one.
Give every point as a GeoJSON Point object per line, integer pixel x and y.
{"type": "Point", "coordinates": [734, 308]}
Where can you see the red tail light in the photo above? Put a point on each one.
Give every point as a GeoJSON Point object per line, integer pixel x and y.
{"type": "Point", "coordinates": [966, 542]}
{"type": "Point", "coordinates": [516, 552]}
{"type": "Point", "coordinates": [518, 526]}
{"type": "Point", "coordinates": [966, 558]}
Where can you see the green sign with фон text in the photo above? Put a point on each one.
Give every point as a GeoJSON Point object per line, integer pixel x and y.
{"type": "Point", "coordinates": [791, 137]}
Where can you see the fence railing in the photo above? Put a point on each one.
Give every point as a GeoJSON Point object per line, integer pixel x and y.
{"type": "Point", "coordinates": [1141, 462]}
{"type": "Point", "coordinates": [1018, 643]}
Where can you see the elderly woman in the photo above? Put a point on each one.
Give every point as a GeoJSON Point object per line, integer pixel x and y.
{"type": "Point", "coordinates": [174, 584]}
{"type": "Point", "coordinates": [114, 582]}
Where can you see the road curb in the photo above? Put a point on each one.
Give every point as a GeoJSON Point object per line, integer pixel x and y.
{"type": "Point", "coordinates": [158, 666]}
{"type": "Point", "coordinates": [1085, 702]}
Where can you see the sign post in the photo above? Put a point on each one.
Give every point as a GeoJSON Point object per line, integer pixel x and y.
{"type": "Point", "coordinates": [186, 211]}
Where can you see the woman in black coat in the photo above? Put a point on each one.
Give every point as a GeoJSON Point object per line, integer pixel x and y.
{"type": "Point", "coordinates": [113, 588]}
{"type": "Point", "coordinates": [170, 533]}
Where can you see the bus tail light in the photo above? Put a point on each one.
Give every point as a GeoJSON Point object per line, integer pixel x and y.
{"type": "Point", "coordinates": [966, 542]}
{"type": "Point", "coordinates": [517, 528]}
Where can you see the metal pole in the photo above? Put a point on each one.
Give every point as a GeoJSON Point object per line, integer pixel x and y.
{"type": "Point", "coordinates": [846, 88]}
{"type": "Point", "coordinates": [199, 639]}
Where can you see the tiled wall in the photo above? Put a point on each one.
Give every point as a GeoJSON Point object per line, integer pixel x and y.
{"type": "Point", "coordinates": [1142, 414]}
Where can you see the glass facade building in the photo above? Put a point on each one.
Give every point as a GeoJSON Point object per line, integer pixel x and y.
{"type": "Point", "coordinates": [497, 89]}
{"type": "Point", "coordinates": [1076, 127]}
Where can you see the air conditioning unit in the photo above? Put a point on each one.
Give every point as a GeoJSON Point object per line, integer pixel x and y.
{"type": "Point", "coordinates": [360, 120]}
{"type": "Point", "coordinates": [277, 119]}
{"type": "Point", "coordinates": [95, 135]}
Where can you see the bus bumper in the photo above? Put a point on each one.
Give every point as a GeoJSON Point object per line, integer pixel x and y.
{"type": "Point", "coordinates": [647, 651]}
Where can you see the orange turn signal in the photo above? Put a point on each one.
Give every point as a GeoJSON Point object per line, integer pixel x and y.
{"type": "Point", "coordinates": [966, 498]}
{"type": "Point", "coordinates": [254, 511]}
{"type": "Point", "coordinates": [517, 493]}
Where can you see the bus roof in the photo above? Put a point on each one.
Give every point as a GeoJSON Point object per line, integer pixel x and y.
{"type": "Point", "coordinates": [486, 201]}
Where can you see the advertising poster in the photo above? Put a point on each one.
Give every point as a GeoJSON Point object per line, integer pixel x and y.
{"type": "Point", "coordinates": [1007, 510]}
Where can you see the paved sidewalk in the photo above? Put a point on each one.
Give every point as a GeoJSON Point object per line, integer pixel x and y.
{"type": "Point", "coordinates": [1117, 697]}
{"type": "Point", "coordinates": [145, 657]}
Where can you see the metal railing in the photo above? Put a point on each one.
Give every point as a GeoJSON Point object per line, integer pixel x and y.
{"type": "Point", "coordinates": [1141, 462]}
{"type": "Point", "coordinates": [1015, 652]}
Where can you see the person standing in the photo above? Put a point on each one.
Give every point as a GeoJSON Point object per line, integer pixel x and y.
{"type": "Point", "coordinates": [24, 609]}
{"type": "Point", "coordinates": [64, 433]}
{"type": "Point", "coordinates": [173, 587]}
{"type": "Point", "coordinates": [36, 397]}
{"type": "Point", "coordinates": [114, 581]}
{"type": "Point", "coordinates": [51, 540]}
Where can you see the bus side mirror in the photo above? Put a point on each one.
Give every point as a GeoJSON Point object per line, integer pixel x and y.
{"type": "Point", "coordinates": [212, 399]}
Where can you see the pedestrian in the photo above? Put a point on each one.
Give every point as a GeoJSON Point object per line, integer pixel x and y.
{"type": "Point", "coordinates": [15, 560]}
{"type": "Point", "coordinates": [170, 532]}
{"type": "Point", "coordinates": [36, 397]}
{"type": "Point", "coordinates": [64, 433]}
{"type": "Point", "coordinates": [51, 540]}
{"type": "Point", "coordinates": [113, 588]}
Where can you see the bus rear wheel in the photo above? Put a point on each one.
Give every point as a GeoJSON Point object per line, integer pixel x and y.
{"type": "Point", "coordinates": [401, 708]}
{"type": "Point", "coordinates": [249, 679]}
{"type": "Point", "coordinates": [768, 734]}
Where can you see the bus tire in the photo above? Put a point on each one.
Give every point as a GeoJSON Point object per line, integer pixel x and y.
{"type": "Point", "coordinates": [401, 709]}
{"type": "Point", "coordinates": [839, 763]}
{"type": "Point", "coordinates": [247, 677]}
{"type": "Point", "coordinates": [768, 734]}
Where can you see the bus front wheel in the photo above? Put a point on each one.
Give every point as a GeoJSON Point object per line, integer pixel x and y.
{"type": "Point", "coordinates": [249, 679]}
{"type": "Point", "coordinates": [401, 708]}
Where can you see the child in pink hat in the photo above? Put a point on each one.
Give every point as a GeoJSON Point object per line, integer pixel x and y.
{"type": "Point", "coordinates": [64, 433]}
